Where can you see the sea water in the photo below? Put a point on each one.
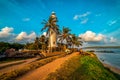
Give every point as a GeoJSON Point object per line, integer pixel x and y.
{"type": "Point", "coordinates": [109, 56]}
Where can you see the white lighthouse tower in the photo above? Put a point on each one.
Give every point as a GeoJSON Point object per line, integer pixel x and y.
{"type": "Point", "coordinates": [52, 32]}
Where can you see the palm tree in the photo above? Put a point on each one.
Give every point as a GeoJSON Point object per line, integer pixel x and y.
{"type": "Point", "coordinates": [36, 43]}
{"type": "Point", "coordinates": [51, 27]}
{"type": "Point", "coordinates": [65, 35]}
{"type": "Point", "coordinates": [76, 41]}
{"type": "Point", "coordinates": [43, 40]}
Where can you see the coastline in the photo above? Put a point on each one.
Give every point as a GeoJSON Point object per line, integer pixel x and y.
{"type": "Point", "coordinates": [110, 67]}
{"type": "Point", "coordinates": [113, 69]}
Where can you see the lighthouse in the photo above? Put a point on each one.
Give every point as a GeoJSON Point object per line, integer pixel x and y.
{"type": "Point", "coordinates": [52, 31]}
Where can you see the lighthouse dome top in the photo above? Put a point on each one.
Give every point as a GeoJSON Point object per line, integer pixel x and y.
{"type": "Point", "coordinates": [53, 12]}
{"type": "Point", "coordinates": [53, 15]}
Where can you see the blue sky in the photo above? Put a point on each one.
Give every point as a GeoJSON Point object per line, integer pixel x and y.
{"type": "Point", "coordinates": [96, 21]}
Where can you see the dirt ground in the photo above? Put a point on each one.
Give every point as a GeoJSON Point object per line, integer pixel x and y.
{"type": "Point", "coordinates": [42, 72]}
{"type": "Point", "coordinates": [13, 67]}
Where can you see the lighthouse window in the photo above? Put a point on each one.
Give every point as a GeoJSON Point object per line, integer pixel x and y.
{"type": "Point", "coordinates": [51, 32]}
{"type": "Point", "coordinates": [53, 42]}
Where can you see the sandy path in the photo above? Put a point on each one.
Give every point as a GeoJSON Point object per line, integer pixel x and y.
{"type": "Point", "coordinates": [42, 72]}
{"type": "Point", "coordinates": [10, 63]}
{"type": "Point", "coordinates": [13, 67]}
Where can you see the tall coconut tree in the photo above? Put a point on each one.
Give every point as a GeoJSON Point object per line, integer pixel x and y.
{"type": "Point", "coordinates": [36, 43]}
{"type": "Point", "coordinates": [65, 36]}
{"type": "Point", "coordinates": [76, 41]}
{"type": "Point", "coordinates": [51, 27]}
{"type": "Point", "coordinates": [44, 42]}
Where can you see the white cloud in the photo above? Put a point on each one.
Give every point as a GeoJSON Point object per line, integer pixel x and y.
{"type": "Point", "coordinates": [7, 35]}
{"type": "Point", "coordinates": [94, 39]}
{"type": "Point", "coordinates": [112, 39]}
{"type": "Point", "coordinates": [21, 36]}
{"type": "Point", "coordinates": [91, 36]}
{"type": "Point", "coordinates": [82, 17]}
{"type": "Point", "coordinates": [85, 14]}
{"type": "Point", "coordinates": [24, 35]}
{"type": "Point", "coordinates": [76, 17]}
{"type": "Point", "coordinates": [112, 22]}
{"type": "Point", "coordinates": [5, 32]}
{"type": "Point", "coordinates": [26, 19]}
{"type": "Point", "coordinates": [44, 33]}
{"type": "Point", "coordinates": [84, 21]}
{"type": "Point", "coordinates": [32, 35]}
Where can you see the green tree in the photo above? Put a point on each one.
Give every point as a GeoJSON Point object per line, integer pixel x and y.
{"type": "Point", "coordinates": [5, 45]}
{"type": "Point", "coordinates": [65, 36]}
{"type": "Point", "coordinates": [31, 46]}
{"type": "Point", "coordinates": [37, 43]}
{"type": "Point", "coordinates": [76, 41]}
{"type": "Point", "coordinates": [44, 42]}
{"type": "Point", "coordinates": [17, 46]}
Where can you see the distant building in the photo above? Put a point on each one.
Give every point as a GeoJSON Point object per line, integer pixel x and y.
{"type": "Point", "coordinates": [10, 52]}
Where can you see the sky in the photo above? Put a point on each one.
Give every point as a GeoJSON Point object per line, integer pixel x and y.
{"type": "Point", "coordinates": [96, 21]}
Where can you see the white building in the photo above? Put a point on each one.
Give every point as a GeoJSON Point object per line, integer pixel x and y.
{"type": "Point", "coordinates": [53, 34]}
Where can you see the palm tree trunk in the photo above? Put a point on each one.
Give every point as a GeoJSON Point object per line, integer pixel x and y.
{"type": "Point", "coordinates": [50, 41]}
{"type": "Point", "coordinates": [73, 47]}
{"type": "Point", "coordinates": [61, 46]}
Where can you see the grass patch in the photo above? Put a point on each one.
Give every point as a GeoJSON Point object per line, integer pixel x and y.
{"type": "Point", "coordinates": [82, 68]}
{"type": "Point", "coordinates": [16, 73]}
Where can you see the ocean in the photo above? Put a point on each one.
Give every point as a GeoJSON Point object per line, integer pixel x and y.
{"type": "Point", "coordinates": [110, 56]}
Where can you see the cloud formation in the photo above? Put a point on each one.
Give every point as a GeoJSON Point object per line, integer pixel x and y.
{"type": "Point", "coordinates": [44, 33]}
{"type": "Point", "coordinates": [7, 35]}
{"type": "Point", "coordinates": [90, 36]}
{"type": "Point", "coordinates": [85, 14]}
{"type": "Point", "coordinates": [112, 22]}
{"type": "Point", "coordinates": [84, 21]}
{"type": "Point", "coordinates": [113, 40]}
{"type": "Point", "coordinates": [82, 17]}
{"type": "Point", "coordinates": [26, 19]}
{"type": "Point", "coordinates": [6, 31]}
{"type": "Point", "coordinates": [76, 17]}
{"type": "Point", "coordinates": [27, 37]}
